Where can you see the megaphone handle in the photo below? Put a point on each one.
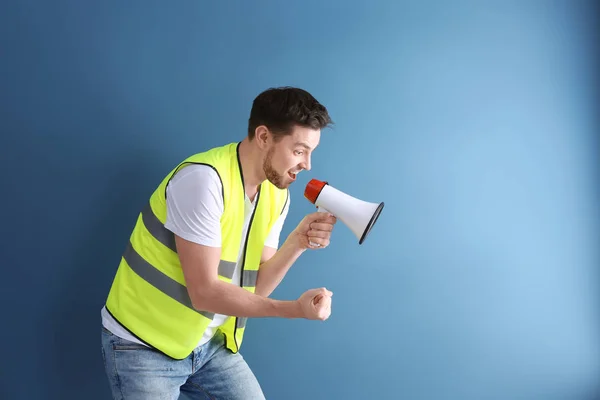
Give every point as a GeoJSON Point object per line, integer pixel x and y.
{"type": "Point", "coordinates": [319, 209]}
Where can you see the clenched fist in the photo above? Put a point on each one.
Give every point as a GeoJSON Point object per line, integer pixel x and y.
{"type": "Point", "coordinates": [316, 304]}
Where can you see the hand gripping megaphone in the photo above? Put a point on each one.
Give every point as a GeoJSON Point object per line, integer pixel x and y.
{"type": "Point", "coordinates": [360, 216]}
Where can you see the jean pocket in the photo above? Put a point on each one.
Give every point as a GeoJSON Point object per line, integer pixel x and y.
{"type": "Point", "coordinates": [129, 346]}
{"type": "Point", "coordinates": [124, 344]}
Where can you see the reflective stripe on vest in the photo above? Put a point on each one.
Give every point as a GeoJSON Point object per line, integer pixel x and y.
{"type": "Point", "coordinates": [159, 280]}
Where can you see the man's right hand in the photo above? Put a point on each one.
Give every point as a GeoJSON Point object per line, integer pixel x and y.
{"type": "Point", "coordinates": [316, 304]}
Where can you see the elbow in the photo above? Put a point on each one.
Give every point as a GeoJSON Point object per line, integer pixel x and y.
{"type": "Point", "coordinates": [198, 303]}
{"type": "Point", "coordinates": [202, 296]}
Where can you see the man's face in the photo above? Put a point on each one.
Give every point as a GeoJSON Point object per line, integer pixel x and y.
{"type": "Point", "coordinates": [290, 155]}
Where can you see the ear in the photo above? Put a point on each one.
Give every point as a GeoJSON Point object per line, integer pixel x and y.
{"type": "Point", "coordinates": [262, 135]}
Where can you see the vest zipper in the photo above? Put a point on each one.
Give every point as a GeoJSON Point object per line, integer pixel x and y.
{"type": "Point", "coordinates": [244, 263]}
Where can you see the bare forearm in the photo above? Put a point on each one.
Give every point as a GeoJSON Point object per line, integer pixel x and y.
{"type": "Point", "coordinates": [224, 298]}
{"type": "Point", "coordinates": [273, 271]}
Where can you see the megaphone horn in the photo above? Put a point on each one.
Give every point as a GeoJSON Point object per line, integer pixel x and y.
{"type": "Point", "coordinates": [360, 216]}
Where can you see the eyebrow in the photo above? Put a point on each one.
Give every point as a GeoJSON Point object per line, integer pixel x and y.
{"type": "Point", "coordinates": [303, 144]}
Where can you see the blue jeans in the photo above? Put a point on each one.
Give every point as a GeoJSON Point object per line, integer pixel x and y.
{"type": "Point", "coordinates": [210, 372]}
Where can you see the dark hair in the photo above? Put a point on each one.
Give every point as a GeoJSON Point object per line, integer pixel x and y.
{"type": "Point", "coordinates": [280, 109]}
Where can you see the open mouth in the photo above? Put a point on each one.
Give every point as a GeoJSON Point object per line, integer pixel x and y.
{"type": "Point", "coordinates": [292, 175]}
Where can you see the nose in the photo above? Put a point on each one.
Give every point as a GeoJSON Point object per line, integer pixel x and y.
{"type": "Point", "coordinates": [306, 164]}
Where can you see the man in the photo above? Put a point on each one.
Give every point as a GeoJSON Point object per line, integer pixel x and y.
{"type": "Point", "coordinates": [204, 256]}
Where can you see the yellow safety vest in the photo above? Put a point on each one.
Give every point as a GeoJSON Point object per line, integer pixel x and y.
{"type": "Point", "coordinates": [149, 296]}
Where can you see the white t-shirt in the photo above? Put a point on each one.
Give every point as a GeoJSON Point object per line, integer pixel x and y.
{"type": "Point", "coordinates": [194, 209]}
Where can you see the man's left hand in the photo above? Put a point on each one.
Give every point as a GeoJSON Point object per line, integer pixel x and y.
{"type": "Point", "coordinates": [314, 231]}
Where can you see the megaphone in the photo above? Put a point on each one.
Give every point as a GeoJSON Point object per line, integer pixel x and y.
{"type": "Point", "coordinates": [360, 216]}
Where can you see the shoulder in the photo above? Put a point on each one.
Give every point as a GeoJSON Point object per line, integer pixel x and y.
{"type": "Point", "coordinates": [196, 185]}
{"type": "Point", "coordinates": [196, 175]}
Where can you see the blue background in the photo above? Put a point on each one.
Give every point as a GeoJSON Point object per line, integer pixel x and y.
{"type": "Point", "coordinates": [476, 123]}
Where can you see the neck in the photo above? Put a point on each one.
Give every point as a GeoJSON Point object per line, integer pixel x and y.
{"type": "Point", "coordinates": [252, 171]}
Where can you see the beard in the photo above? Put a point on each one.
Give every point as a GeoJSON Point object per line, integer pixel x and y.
{"type": "Point", "coordinates": [273, 176]}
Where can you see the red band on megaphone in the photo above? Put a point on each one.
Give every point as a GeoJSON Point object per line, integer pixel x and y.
{"type": "Point", "coordinates": [313, 189]}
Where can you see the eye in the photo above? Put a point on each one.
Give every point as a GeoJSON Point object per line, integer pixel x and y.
{"type": "Point", "coordinates": [298, 152]}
